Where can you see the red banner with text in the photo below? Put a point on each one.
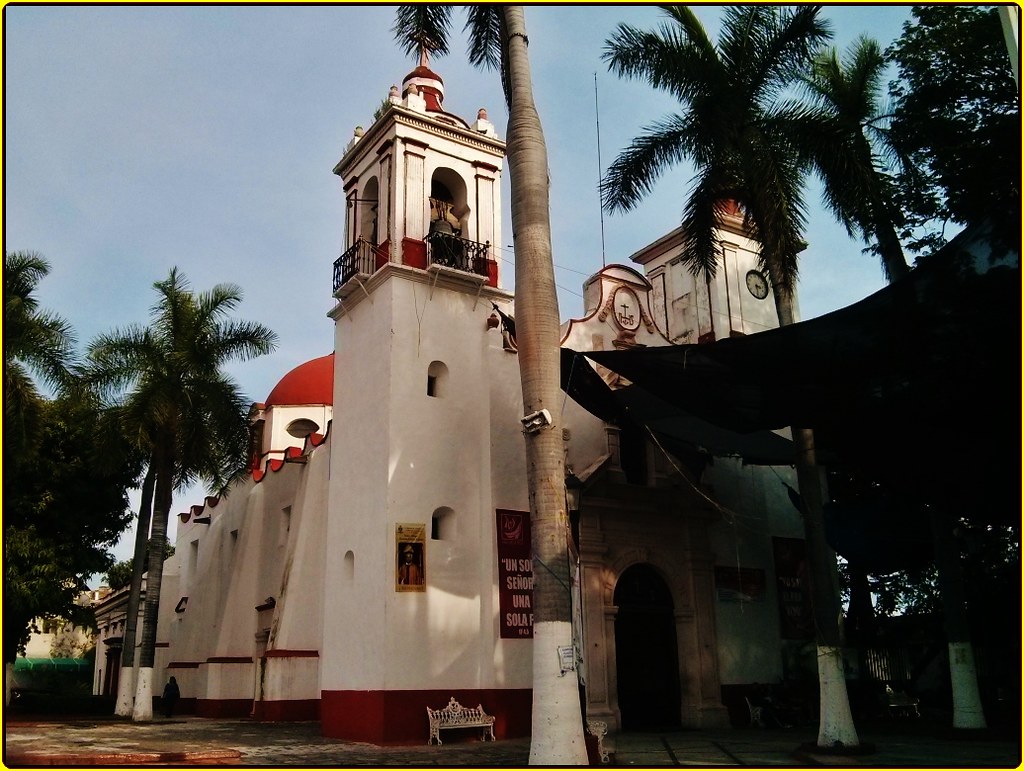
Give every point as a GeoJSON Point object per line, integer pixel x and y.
{"type": "Point", "coordinates": [515, 574]}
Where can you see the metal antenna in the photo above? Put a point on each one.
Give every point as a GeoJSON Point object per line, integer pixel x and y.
{"type": "Point", "coordinates": [600, 197]}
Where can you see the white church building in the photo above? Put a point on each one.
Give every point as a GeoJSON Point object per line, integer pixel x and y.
{"type": "Point", "coordinates": [376, 560]}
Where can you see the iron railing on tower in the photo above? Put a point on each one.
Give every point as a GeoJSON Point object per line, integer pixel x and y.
{"type": "Point", "coordinates": [460, 253]}
{"type": "Point", "coordinates": [444, 249]}
{"type": "Point", "coordinates": [361, 257]}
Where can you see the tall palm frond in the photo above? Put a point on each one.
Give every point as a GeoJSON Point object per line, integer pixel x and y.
{"type": "Point", "coordinates": [165, 387]}
{"type": "Point", "coordinates": [727, 129]}
{"type": "Point", "coordinates": [852, 151]}
{"type": "Point", "coordinates": [423, 27]}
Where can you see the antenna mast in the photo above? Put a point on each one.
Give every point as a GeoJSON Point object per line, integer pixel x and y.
{"type": "Point", "coordinates": [600, 197]}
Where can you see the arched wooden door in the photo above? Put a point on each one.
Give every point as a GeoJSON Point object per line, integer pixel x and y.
{"type": "Point", "coordinates": [647, 660]}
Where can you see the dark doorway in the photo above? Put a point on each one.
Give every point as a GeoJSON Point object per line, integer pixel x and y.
{"type": "Point", "coordinates": [647, 662]}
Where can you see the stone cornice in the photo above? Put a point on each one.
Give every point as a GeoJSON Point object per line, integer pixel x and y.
{"type": "Point", "coordinates": [401, 116]}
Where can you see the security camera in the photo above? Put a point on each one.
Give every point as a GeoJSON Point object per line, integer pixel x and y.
{"type": "Point", "coordinates": [535, 421]}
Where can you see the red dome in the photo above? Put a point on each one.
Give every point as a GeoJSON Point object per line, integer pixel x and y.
{"type": "Point", "coordinates": [309, 383]}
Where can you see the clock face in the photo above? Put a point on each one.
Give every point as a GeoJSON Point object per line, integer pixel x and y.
{"type": "Point", "coordinates": [757, 284]}
{"type": "Point", "coordinates": [626, 306]}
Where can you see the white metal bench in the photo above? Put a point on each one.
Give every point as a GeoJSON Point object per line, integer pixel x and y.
{"type": "Point", "coordinates": [457, 716]}
{"type": "Point", "coordinates": [899, 703]}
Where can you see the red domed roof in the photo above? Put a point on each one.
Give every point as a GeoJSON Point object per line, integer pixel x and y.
{"type": "Point", "coordinates": [309, 383]}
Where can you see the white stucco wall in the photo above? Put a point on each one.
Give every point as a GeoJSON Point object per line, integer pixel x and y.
{"type": "Point", "coordinates": [234, 564]}
{"type": "Point", "coordinates": [416, 454]}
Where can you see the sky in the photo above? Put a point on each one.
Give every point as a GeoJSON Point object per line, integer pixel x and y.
{"type": "Point", "coordinates": [140, 138]}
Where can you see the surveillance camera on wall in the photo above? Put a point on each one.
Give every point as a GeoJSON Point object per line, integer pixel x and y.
{"type": "Point", "coordinates": [535, 421]}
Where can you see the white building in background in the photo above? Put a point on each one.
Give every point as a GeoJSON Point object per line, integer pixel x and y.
{"type": "Point", "coordinates": [377, 559]}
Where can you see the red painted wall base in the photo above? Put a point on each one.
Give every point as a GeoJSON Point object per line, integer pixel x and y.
{"type": "Point", "coordinates": [285, 711]}
{"type": "Point", "coordinates": [223, 707]}
{"type": "Point", "coordinates": [400, 717]}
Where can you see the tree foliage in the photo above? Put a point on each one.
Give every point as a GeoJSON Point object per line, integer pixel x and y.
{"type": "Point", "coordinates": [956, 115]}
{"type": "Point", "coordinates": [63, 510]}
{"type": "Point", "coordinates": [735, 125]}
{"type": "Point", "coordinates": [37, 343]}
{"type": "Point", "coordinates": [855, 155]}
{"type": "Point", "coordinates": [167, 390]}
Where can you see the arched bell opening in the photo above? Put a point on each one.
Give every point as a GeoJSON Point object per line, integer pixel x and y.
{"type": "Point", "coordinates": [449, 207]}
{"type": "Point", "coordinates": [369, 204]}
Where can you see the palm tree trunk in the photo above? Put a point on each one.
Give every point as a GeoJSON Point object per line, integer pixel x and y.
{"type": "Point", "coordinates": [835, 719]}
{"type": "Point", "coordinates": [557, 730]}
{"type": "Point", "coordinates": [143, 708]}
{"type": "Point", "coordinates": [893, 259]}
{"type": "Point", "coordinates": [126, 679]}
{"type": "Point", "coordinates": [967, 710]}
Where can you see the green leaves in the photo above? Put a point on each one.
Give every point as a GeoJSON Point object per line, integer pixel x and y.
{"type": "Point", "coordinates": [957, 119]}
{"type": "Point", "coordinates": [731, 127]}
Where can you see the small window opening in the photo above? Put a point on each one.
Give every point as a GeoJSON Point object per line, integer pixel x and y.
{"type": "Point", "coordinates": [442, 524]}
{"type": "Point", "coordinates": [302, 428]}
{"type": "Point", "coordinates": [437, 377]}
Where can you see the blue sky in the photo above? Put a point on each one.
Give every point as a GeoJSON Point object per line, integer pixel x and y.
{"type": "Point", "coordinates": [141, 138]}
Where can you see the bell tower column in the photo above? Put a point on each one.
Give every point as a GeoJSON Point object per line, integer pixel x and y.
{"type": "Point", "coordinates": [414, 250]}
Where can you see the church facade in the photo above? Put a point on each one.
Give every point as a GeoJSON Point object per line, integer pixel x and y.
{"type": "Point", "coordinates": [376, 561]}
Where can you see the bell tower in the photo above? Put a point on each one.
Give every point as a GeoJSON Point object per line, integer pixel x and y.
{"type": "Point", "coordinates": [422, 186]}
{"type": "Point", "coordinates": [423, 387]}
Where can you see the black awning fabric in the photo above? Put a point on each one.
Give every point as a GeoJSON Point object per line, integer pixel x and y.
{"type": "Point", "coordinates": [673, 426]}
{"type": "Point", "coordinates": [918, 383]}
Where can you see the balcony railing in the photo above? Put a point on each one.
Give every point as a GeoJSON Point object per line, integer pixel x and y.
{"type": "Point", "coordinates": [459, 253]}
{"type": "Point", "coordinates": [361, 257]}
{"type": "Point", "coordinates": [443, 249]}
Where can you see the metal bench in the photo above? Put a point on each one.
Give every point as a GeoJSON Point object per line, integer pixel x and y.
{"type": "Point", "coordinates": [457, 716]}
{"type": "Point", "coordinates": [899, 703]}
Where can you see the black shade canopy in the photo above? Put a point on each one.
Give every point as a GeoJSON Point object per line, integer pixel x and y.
{"type": "Point", "coordinates": [918, 385]}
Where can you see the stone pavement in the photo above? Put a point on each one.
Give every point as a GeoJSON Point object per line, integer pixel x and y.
{"type": "Point", "coordinates": [236, 743]}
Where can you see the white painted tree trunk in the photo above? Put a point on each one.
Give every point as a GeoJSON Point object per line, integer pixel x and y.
{"type": "Point", "coordinates": [557, 729]}
{"type": "Point", "coordinates": [143, 710]}
{"type": "Point", "coordinates": [835, 721]}
{"type": "Point", "coordinates": [557, 739]}
{"type": "Point", "coordinates": [967, 711]}
{"type": "Point", "coordinates": [125, 692]}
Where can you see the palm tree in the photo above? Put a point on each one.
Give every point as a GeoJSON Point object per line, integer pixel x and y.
{"type": "Point", "coordinates": [862, 198]}
{"type": "Point", "coordinates": [35, 341]}
{"type": "Point", "coordinates": [180, 407]}
{"type": "Point", "coordinates": [497, 39]}
{"type": "Point", "coordinates": [124, 706]}
{"type": "Point", "coordinates": [851, 158]}
{"type": "Point", "coordinates": [749, 145]}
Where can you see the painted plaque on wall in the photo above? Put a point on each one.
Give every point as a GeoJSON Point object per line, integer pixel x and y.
{"type": "Point", "coordinates": [410, 558]}
{"type": "Point", "coordinates": [515, 575]}
{"type": "Point", "coordinates": [796, 618]}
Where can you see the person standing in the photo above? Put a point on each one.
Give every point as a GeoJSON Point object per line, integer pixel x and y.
{"type": "Point", "coordinates": [171, 694]}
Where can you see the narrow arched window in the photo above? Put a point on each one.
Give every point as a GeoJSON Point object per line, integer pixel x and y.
{"type": "Point", "coordinates": [442, 524]}
{"type": "Point", "coordinates": [437, 379]}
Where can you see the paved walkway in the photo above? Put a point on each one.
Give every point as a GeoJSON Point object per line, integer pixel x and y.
{"type": "Point", "coordinates": [199, 741]}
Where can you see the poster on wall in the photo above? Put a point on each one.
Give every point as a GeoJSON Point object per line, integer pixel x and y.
{"type": "Point", "coordinates": [515, 575]}
{"type": "Point", "coordinates": [410, 558]}
{"type": "Point", "coordinates": [733, 584]}
{"type": "Point", "coordinates": [796, 618]}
